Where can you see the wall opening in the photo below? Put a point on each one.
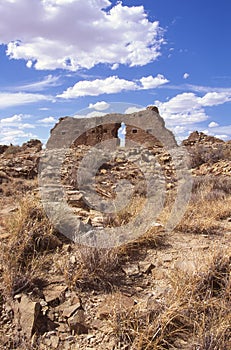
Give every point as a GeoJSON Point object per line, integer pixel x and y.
{"type": "Point", "coordinates": [122, 134]}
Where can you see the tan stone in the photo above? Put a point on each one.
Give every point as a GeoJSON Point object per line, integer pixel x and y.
{"type": "Point", "coordinates": [53, 293]}
{"type": "Point", "coordinates": [28, 312]}
{"type": "Point", "coordinates": [68, 311]}
{"type": "Point", "coordinates": [77, 323]}
{"type": "Point", "coordinates": [146, 267]}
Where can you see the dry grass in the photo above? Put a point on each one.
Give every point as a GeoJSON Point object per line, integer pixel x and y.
{"type": "Point", "coordinates": [123, 217]}
{"type": "Point", "coordinates": [90, 269]}
{"type": "Point", "coordinates": [210, 203]}
{"type": "Point", "coordinates": [155, 238]}
{"type": "Point", "coordinates": [196, 314]}
{"type": "Point", "coordinates": [25, 254]}
{"type": "Point", "coordinates": [102, 269]}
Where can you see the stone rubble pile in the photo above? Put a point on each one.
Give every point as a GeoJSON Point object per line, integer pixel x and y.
{"type": "Point", "coordinates": [144, 172]}
{"type": "Point", "coordinates": [196, 138]}
{"type": "Point", "coordinates": [213, 155]}
{"type": "Point", "coordinates": [58, 317]}
{"type": "Point", "coordinates": [19, 161]}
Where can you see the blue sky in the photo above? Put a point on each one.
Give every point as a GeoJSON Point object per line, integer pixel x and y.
{"type": "Point", "coordinates": [58, 57]}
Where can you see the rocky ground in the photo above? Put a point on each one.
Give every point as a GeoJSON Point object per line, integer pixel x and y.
{"type": "Point", "coordinates": [164, 290]}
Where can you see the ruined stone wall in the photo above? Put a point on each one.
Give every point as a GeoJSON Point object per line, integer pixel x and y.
{"type": "Point", "coordinates": [145, 128]}
{"type": "Point", "coordinates": [109, 131]}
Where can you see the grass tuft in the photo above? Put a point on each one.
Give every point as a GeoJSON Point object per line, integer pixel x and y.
{"type": "Point", "coordinates": [32, 237]}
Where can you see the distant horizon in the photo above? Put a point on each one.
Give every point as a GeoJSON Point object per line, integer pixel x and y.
{"type": "Point", "coordinates": [44, 143]}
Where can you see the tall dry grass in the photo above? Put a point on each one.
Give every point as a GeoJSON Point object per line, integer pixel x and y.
{"type": "Point", "coordinates": [195, 314]}
{"type": "Point", "coordinates": [25, 253]}
{"type": "Point", "coordinates": [210, 203]}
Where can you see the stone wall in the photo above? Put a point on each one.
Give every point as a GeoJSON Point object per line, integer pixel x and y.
{"type": "Point", "coordinates": [110, 131]}
{"type": "Point", "coordinates": [146, 128]}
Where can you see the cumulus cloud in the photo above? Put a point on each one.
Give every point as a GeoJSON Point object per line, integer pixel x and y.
{"type": "Point", "coordinates": [188, 108]}
{"type": "Point", "coordinates": [186, 75]}
{"type": "Point", "coordinates": [13, 129]}
{"type": "Point", "coordinates": [47, 120]}
{"type": "Point", "coordinates": [111, 85]}
{"type": "Point", "coordinates": [183, 108]}
{"type": "Point", "coordinates": [99, 106]}
{"type": "Point", "coordinates": [16, 121]}
{"type": "Point", "coordinates": [10, 120]}
{"type": "Point", "coordinates": [97, 87]}
{"type": "Point", "coordinates": [151, 82]}
{"type": "Point", "coordinates": [16, 99]}
{"type": "Point", "coordinates": [215, 98]}
{"type": "Point", "coordinates": [223, 137]}
{"type": "Point", "coordinates": [90, 115]}
{"type": "Point", "coordinates": [134, 109]}
{"type": "Point", "coordinates": [73, 34]}
{"type": "Point", "coordinates": [115, 66]}
{"type": "Point", "coordinates": [15, 136]}
{"type": "Point", "coordinates": [213, 125]}
{"type": "Point", "coordinates": [224, 131]}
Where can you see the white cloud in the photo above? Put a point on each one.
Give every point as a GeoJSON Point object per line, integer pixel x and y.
{"type": "Point", "coordinates": [15, 136]}
{"type": "Point", "coordinates": [47, 82]}
{"type": "Point", "coordinates": [47, 120]}
{"type": "Point", "coordinates": [29, 64]}
{"type": "Point", "coordinates": [16, 121]}
{"type": "Point", "coordinates": [188, 108]}
{"type": "Point", "coordinates": [186, 75]}
{"type": "Point", "coordinates": [10, 120]}
{"type": "Point", "coordinates": [222, 130]}
{"type": "Point", "coordinates": [73, 34]}
{"type": "Point", "coordinates": [151, 82]}
{"type": "Point", "coordinates": [99, 106]}
{"type": "Point", "coordinates": [213, 125]}
{"type": "Point", "coordinates": [97, 87]}
{"type": "Point", "coordinates": [115, 66]}
{"type": "Point", "coordinates": [110, 85]}
{"type": "Point", "coordinates": [16, 99]}
{"type": "Point", "coordinates": [182, 109]}
{"type": "Point", "coordinates": [178, 129]}
{"type": "Point", "coordinates": [215, 98]}
{"type": "Point", "coordinates": [12, 129]}
{"type": "Point", "coordinates": [223, 137]}
{"type": "Point", "coordinates": [90, 115]}
{"type": "Point", "coordinates": [134, 109]}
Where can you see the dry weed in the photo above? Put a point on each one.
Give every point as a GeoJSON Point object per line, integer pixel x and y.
{"type": "Point", "coordinates": [25, 254]}
{"type": "Point", "coordinates": [210, 203]}
{"type": "Point", "coordinates": [202, 154]}
{"type": "Point", "coordinates": [195, 314]}
{"type": "Point", "coordinates": [91, 268]}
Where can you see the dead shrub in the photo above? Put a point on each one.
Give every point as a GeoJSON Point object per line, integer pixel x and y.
{"type": "Point", "coordinates": [201, 154]}
{"type": "Point", "coordinates": [92, 269]}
